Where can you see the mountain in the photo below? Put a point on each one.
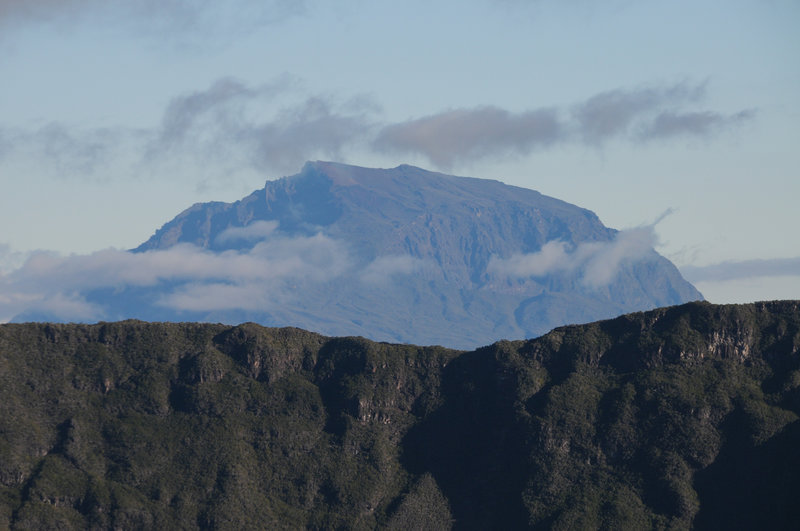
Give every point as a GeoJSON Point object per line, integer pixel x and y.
{"type": "Point", "coordinates": [676, 418]}
{"type": "Point", "coordinates": [403, 255]}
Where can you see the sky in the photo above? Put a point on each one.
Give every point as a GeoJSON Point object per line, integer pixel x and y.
{"type": "Point", "coordinates": [115, 116]}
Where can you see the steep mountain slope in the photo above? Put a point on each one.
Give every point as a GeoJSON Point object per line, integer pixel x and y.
{"type": "Point", "coordinates": [415, 256]}
{"type": "Point", "coordinates": [680, 417]}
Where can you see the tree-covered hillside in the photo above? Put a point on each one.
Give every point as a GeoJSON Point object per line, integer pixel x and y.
{"type": "Point", "coordinates": [675, 418]}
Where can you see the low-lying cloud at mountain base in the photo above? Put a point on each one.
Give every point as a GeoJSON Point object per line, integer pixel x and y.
{"type": "Point", "coordinates": [401, 255]}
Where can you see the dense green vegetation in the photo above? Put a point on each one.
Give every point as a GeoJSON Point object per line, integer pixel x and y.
{"type": "Point", "coordinates": [675, 418]}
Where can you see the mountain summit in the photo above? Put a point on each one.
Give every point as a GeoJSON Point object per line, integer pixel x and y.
{"type": "Point", "coordinates": [410, 255]}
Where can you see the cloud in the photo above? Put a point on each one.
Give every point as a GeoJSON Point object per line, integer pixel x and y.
{"type": "Point", "coordinates": [384, 269]}
{"type": "Point", "coordinates": [704, 123]}
{"type": "Point", "coordinates": [64, 151]}
{"type": "Point", "coordinates": [189, 21]}
{"type": "Point", "coordinates": [83, 152]}
{"type": "Point", "coordinates": [611, 114]}
{"type": "Point", "coordinates": [14, 10]}
{"type": "Point", "coordinates": [603, 261]}
{"type": "Point", "coordinates": [649, 113]}
{"type": "Point", "coordinates": [47, 282]}
{"type": "Point", "coordinates": [216, 296]}
{"type": "Point", "coordinates": [231, 121]}
{"type": "Point", "coordinates": [184, 113]}
{"type": "Point", "coordinates": [597, 263]}
{"type": "Point", "coordinates": [553, 257]}
{"type": "Point", "coordinates": [730, 270]}
{"type": "Point", "coordinates": [315, 127]}
{"type": "Point", "coordinates": [231, 127]}
{"type": "Point", "coordinates": [10, 259]}
{"type": "Point", "coordinates": [467, 134]}
{"type": "Point", "coordinates": [189, 278]}
{"type": "Point", "coordinates": [267, 127]}
{"type": "Point", "coordinates": [68, 306]}
{"type": "Point", "coordinates": [258, 230]}
{"type": "Point", "coordinates": [223, 129]}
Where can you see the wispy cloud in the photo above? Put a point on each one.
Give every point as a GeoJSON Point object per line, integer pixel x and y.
{"type": "Point", "coordinates": [188, 21]}
{"type": "Point", "coordinates": [553, 257]}
{"type": "Point", "coordinates": [702, 124]}
{"type": "Point", "coordinates": [649, 113]}
{"type": "Point", "coordinates": [603, 261]}
{"type": "Point", "coordinates": [597, 263]}
{"type": "Point", "coordinates": [187, 278]}
{"type": "Point", "coordinates": [61, 151]}
{"type": "Point", "coordinates": [15, 10]}
{"type": "Point", "coordinates": [384, 269]}
{"type": "Point", "coordinates": [314, 257]}
{"type": "Point", "coordinates": [223, 101]}
{"type": "Point", "coordinates": [231, 126]}
{"type": "Point", "coordinates": [468, 134]}
{"type": "Point", "coordinates": [733, 270]}
{"type": "Point", "coordinates": [317, 126]}
{"type": "Point", "coordinates": [256, 231]}
{"type": "Point", "coordinates": [216, 296]}
{"type": "Point", "coordinates": [258, 127]}
{"type": "Point", "coordinates": [227, 127]}
{"type": "Point", "coordinates": [10, 259]}
{"type": "Point", "coordinates": [49, 282]}
{"type": "Point", "coordinates": [610, 114]}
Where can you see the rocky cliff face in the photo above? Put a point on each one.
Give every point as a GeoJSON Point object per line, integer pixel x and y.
{"type": "Point", "coordinates": [679, 417]}
{"type": "Point", "coordinates": [425, 258]}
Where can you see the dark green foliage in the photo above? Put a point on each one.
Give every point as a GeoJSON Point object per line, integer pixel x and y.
{"type": "Point", "coordinates": [681, 417]}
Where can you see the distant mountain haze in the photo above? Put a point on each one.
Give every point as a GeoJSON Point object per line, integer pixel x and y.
{"type": "Point", "coordinates": [427, 253]}
{"type": "Point", "coordinates": [401, 254]}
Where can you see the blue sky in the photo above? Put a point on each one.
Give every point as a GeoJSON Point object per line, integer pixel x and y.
{"type": "Point", "coordinates": [115, 116]}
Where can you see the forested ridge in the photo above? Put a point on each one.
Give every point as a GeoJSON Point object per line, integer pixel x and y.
{"type": "Point", "coordinates": [675, 418]}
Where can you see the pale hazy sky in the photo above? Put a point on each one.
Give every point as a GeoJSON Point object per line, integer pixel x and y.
{"type": "Point", "coordinates": [117, 115]}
